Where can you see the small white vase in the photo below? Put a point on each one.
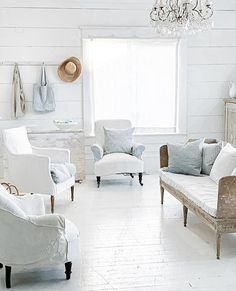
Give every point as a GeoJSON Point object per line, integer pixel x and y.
{"type": "Point", "coordinates": [232, 90]}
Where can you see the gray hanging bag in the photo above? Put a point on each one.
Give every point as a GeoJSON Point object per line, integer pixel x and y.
{"type": "Point", "coordinates": [43, 95]}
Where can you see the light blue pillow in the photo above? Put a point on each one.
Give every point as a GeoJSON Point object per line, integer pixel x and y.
{"type": "Point", "coordinates": [185, 159]}
{"type": "Point", "coordinates": [209, 154]}
{"type": "Point", "coordinates": [118, 140]}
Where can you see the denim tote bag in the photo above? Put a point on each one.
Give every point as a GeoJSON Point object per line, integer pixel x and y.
{"type": "Point", "coordinates": [43, 95]}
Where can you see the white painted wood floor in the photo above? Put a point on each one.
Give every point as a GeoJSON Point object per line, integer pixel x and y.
{"type": "Point", "coordinates": [129, 242]}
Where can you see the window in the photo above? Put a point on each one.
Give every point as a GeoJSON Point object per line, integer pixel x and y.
{"type": "Point", "coordinates": [134, 79]}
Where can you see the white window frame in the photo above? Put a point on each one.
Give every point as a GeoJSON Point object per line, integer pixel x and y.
{"type": "Point", "coordinates": [133, 32]}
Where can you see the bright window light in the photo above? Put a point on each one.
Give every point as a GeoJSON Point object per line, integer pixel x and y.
{"type": "Point", "coordinates": [134, 79]}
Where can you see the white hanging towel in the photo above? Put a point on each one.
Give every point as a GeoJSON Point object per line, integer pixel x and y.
{"type": "Point", "coordinates": [18, 104]}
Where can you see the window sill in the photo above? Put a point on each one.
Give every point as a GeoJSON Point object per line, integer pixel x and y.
{"type": "Point", "coordinates": [172, 134]}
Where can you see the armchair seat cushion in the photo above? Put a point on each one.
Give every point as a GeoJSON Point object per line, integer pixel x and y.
{"type": "Point", "coordinates": [117, 163]}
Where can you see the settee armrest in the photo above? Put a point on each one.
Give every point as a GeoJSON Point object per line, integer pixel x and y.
{"type": "Point", "coordinates": [137, 150]}
{"type": "Point", "coordinates": [97, 152]}
{"type": "Point", "coordinates": [226, 207]}
{"type": "Point", "coordinates": [164, 156]}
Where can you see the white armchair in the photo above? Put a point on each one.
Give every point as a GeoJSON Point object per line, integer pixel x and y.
{"type": "Point", "coordinates": [30, 167]}
{"type": "Point", "coordinates": [30, 238]}
{"type": "Point", "coordinates": [116, 163]}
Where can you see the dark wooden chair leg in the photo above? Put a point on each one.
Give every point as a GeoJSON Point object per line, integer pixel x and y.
{"type": "Point", "coordinates": [140, 176]}
{"type": "Point", "coordinates": [131, 175]}
{"type": "Point", "coordinates": [98, 181]}
{"type": "Point", "coordinates": [8, 276]}
{"type": "Point", "coordinates": [218, 239]}
{"type": "Point", "coordinates": [185, 211]}
{"type": "Point", "coordinates": [72, 189]}
{"type": "Point", "coordinates": [68, 272]}
{"type": "Point", "coordinates": [162, 194]}
{"type": "Point", "coordinates": [1, 265]}
{"type": "Point", "coordinates": [52, 203]}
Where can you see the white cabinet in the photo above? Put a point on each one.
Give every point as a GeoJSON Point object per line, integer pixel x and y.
{"type": "Point", "coordinates": [230, 120]}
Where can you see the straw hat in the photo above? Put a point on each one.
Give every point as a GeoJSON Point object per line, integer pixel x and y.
{"type": "Point", "coordinates": [70, 69]}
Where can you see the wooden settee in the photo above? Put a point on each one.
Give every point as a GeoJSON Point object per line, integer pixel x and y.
{"type": "Point", "coordinates": [224, 218]}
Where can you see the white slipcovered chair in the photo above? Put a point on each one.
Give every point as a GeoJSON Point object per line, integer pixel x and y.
{"type": "Point", "coordinates": [116, 163]}
{"type": "Point", "coordinates": [30, 238]}
{"type": "Point", "coordinates": [30, 167]}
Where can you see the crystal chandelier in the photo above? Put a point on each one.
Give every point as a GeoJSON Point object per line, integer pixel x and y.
{"type": "Point", "coordinates": [181, 17]}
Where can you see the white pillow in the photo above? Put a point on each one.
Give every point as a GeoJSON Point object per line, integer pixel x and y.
{"type": "Point", "coordinates": [224, 164]}
{"type": "Point", "coordinates": [16, 140]}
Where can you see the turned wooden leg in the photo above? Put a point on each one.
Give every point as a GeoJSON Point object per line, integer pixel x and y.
{"type": "Point", "coordinates": [162, 194]}
{"type": "Point", "coordinates": [1, 265]}
{"type": "Point", "coordinates": [218, 239]}
{"type": "Point", "coordinates": [52, 203]}
{"type": "Point", "coordinates": [68, 272]}
{"type": "Point", "coordinates": [131, 175]}
{"type": "Point", "coordinates": [140, 176]}
{"type": "Point", "coordinates": [8, 276]}
{"type": "Point", "coordinates": [72, 189]}
{"type": "Point", "coordinates": [185, 211]}
{"type": "Point", "coordinates": [98, 181]}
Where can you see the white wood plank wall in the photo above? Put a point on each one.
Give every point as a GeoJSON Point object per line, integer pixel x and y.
{"type": "Point", "coordinates": [49, 31]}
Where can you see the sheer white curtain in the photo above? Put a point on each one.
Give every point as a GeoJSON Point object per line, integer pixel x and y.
{"type": "Point", "coordinates": [133, 79]}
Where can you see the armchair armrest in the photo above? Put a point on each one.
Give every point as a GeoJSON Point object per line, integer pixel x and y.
{"type": "Point", "coordinates": [31, 173]}
{"type": "Point", "coordinates": [48, 220]}
{"type": "Point", "coordinates": [57, 155]}
{"type": "Point", "coordinates": [97, 152]}
{"type": "Point", "coordinates": [47, 233]}
{"type": "Point", "coordinates": [137, 150]}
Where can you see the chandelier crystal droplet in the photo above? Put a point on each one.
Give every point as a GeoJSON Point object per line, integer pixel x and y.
{"type": "Point", "coordinates": [181, 17]}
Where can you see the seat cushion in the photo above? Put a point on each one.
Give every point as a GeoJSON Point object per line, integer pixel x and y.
{"type": "Point", "coordinates": [201, 190]}
{"type": "Point", "coordinates": [118, 163]}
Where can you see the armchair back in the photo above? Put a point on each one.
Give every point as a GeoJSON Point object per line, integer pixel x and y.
{"type": "Point", "coordinates": [113, 123]}
{"type": "Point", "coordinates": [16, 141]}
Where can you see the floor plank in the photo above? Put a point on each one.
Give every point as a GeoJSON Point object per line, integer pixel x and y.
{"type": "Point", "coordinates": [129, 242]}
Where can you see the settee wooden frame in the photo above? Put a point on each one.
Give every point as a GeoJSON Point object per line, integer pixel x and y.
{"type": "Point", "coordinates": [225, 220]}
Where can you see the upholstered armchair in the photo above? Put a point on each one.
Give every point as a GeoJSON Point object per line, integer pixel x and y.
{"type": "Point", "coordinates": [29, 238]}
{"type": "Point", "coordinates": [118, 162]}
{"type": "Point", "coordinates": [30, 167]}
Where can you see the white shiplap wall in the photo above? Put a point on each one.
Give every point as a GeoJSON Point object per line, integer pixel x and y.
{"type": "Point", "coordinates": [49, 31]}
